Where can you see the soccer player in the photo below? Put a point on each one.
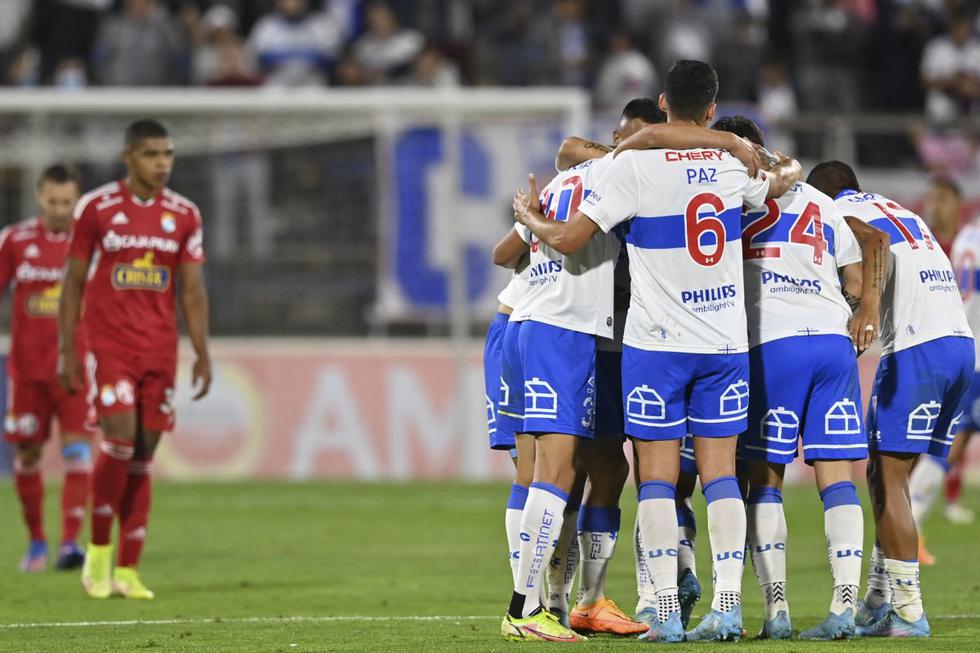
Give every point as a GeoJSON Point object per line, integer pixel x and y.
{"type": "Point", "coordinates": [32, 255]}
{"type": "Point", "coordinates": [803, 380]}
{"type": "Point", "coordinates": [149, 248]}
{"type": "Point", "coordinates": [685, 365]}
{"type": "Point", "coordinates": [919, 396]}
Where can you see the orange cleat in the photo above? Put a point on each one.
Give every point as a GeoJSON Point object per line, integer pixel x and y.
{"type": "Point", "coordinates": [925, 558]}
{"type": "Point", "coordinates": [604, 616]}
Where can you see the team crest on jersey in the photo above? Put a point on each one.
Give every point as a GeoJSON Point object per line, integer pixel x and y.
{"type": "Point", "coordinates": [32, 251]}
{"type": "Point", "coordinates": [168, 222]}
{"type": "Point", "coordinates": [44, 303]}
{"type": "Point", "coordinates": [141, 274]}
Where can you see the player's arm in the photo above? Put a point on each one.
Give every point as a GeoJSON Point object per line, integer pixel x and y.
{"type": "Point", "coordinates": [508, 252]}
{"type": "Point", "coordinates": [783, 175]}
{"type": "Point", "coordinates": [684, 136]}
{"type": "Point", "coordinates": [566, 237]}
{"type": "Point", "coordinates": [69, 313]}
{"type": "Point", "coordinates": [875, 254]}
{"type": "Point", "coordinates": [194, 305]}
{"type": "Point", "coordinates": [574, 150]}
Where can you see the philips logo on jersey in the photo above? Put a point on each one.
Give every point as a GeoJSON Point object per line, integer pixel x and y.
{"type": "Point", "coordinates": [544, 272]}
{"type": "Point", "coordinates": [113, 242]}
{"type": "Point", "coordinates": [141, 274]}
{"type": "Point", "coordinates": [704, 295]}
{"type": "Point", "coordinates": [939, 280]}
{"type": "Point", "coordinates": [795, 285]}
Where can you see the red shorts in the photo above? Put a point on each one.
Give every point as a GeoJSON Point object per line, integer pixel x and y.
{"type": "Point", "coordinates": [32, 404]}
{"type": "Point", "coordinates": [122, 383]}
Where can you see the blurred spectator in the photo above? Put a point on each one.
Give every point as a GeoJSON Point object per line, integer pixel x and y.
{"type": "Point", "coordinates": [221, 59]}
{"type": "Point", "coordinates": [777, 104]}
{"type": "Point", "coordinates": [951, 70]}
{"type": "Point", "coordinates": [432, 69]}
{"type": "Point", "coordinates": [626, 73]}
{"type": "Point", "coordinates": [572, 45]}
{"type": "Point", "coordinates": [827, 41]}
{"type": "Point", "coordinates": [737, 57]}
{"type": "Point", "coordinates": [683, 34]}
{"type": "Point", "coordinates": [943, 210]}
{"type": "Point", "coordinates": [70, 75]}
{"type": "Point", "coordinates": [140, 46]}
{"type": "Point", "coordinates": [387, 50]}
{"type": "Point", "coordinates": [66, 29]}
{"type": "Point", "coordinates": [13, 20]}
{"type": "Point", "coordinates": [295, 46]}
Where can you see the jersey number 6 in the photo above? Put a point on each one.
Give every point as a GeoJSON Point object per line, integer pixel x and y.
{"type": "Point", "coordinates": [696, 226]}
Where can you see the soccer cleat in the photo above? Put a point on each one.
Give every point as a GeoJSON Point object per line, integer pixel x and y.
{"type": "Point", "coordinates": [36, 558]}
{"type": "Point", "coordinates": [925, 558]}
{"type": "Point", "coordinates": [126, 582]}
{"type": "Point", "coordinates": [661, 632]}
{"type": "Point", "coordinates": [778, 627]}
{"type": "Point", "coordinates": [835, 626]}
{"type": "Point", "coordinates": [561, 615]}
{"type": "Point", "coordinates": [719, 627]}
{"type": "Point", "coordinates": [542, 626]}
{"type": "Point", "coordinates": [96, 571]}
{"type": "Point", "coordinates": [892, 625]}
{"type": "Point", "coordinates": [70, 556]}
{"type": "Point", "coordinates": [957, 514]}
{"type": "Point", "coordinates": [604, 616]}
{"type": "Point", "coordinates": [688, 593]}
{"type": "Point", "coordinates": [866, 615]}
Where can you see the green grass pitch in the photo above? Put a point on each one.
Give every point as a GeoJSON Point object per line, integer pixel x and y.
{"type": "Point", "coordinates": [352, 567]}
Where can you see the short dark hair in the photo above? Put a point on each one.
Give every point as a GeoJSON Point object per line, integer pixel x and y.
{"type": "Point", "coordinates": [741, 126]}
{"type": "Point", "coordinates": [60, 173]}
{"type": "Point", "coordinates": [143, 129]}
{"type": "Point", "coordinates": [947, 182]}
{"type": "Point", "coordinates": [645, 109]}
{"type": "Point", "coordinates": [691, 88]}
{"type": "Point", "coordinates": [832, 177]}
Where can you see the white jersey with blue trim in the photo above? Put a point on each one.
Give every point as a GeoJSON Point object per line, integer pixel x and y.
{"type": "Point", "coordinates": [684, 209]}
{"type": "Point", "coordinates": [921, 301]}
{"type": "Point", "coordinates": [966, 264]}
{"type": "Point", "coordinates": [573, 292]}
{"type": "Point", "coordinates": [792, 249]}
{"type": "Point", "coordinates": [516, 288]}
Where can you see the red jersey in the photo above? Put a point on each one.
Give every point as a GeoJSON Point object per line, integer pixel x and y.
{"type": "Point", "coordinates": [33, 258]}
{"type": "Point", "coordinates": [130, 302]}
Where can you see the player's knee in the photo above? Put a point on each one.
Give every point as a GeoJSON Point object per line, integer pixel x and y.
{"type": "Point", "coordinates": [28, 457]}
{"type": "Point", "coordinates": [76, 455]}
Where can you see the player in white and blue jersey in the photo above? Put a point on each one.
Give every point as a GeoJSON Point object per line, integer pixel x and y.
{"type": "Point", "coordinates": [684, 349]}
{"type": "Point", "coordinates": [804, 384]}
{"type": "Point", "coordinates": [920, 392]}
{"type": "Point", "coordinates": [501, 432]}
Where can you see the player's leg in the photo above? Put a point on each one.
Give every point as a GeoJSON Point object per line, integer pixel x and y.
{"type": "Point", "coordinates": [76, 418]}
{"type": "Point", "coordinates": [27, 427]}
{"type": "Point", "coordinates": [688, 587]}
{"type": "Point", "coordinates": [560, 573]}
{"type": "Point", "coordinates": [718, 409]}
{"type": "Point", "coordinates": [766, 527]}
{"type": "Point", "coordinates": [523, 475]}
{"type": "Point", "coordinates": [925, 482]}
{"type": "Point", "coordinates": [134, 514]}
{"type": "Point", "coordinates": [956, 512]}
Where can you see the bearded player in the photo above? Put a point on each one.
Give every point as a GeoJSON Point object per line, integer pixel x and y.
{"type": "Point", "coordinates": [149, 248]}
{"type": "Point", "coordinates": [32, 255]}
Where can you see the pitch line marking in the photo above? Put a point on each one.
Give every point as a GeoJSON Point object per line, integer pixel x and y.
{"type": "Point", "coordinates": [300, 619]}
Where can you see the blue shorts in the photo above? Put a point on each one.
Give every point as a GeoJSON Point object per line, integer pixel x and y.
{"type": "Point", "coordinates": [559, 380]}
{"type": "Point", "coordinates": [920, 397]}
{"type": "Point", "coordinates": [609, 395]}
{"type": "Point", "coordinates": [492, 362]}
{"type": "Point", "coordinates": [668, 394]}
{"type": "Point", "coordinates": [510, 397]}
{"type": "Point", "coordinates": [804, 387]}
{"type": "Point", "coordinates": [971, 420]}
{"type": "Point", "coordinates": [688, 464]}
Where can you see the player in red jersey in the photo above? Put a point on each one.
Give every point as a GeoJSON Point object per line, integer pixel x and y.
{"type": "Point", "coordinates": [32, 255]}
{"type": "Point", "coordinates": [148, 244]}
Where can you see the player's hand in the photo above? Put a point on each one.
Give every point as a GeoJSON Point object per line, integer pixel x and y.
{"type": "Point", "coordinates": [744, 150]}
{"type": "Point", "coordinates": [201, 377]}
{"type": "Point", "coordinates": [864, 327]}
{"type": "Point", "coordinates": [69, 372]}
{"type": "Point", "coordinates": [525, 202]}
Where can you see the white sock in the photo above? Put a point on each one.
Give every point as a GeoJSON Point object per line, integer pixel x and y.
{"type": "Point", "coordinates": [658, 534]}
{"type": "Point", "coordinates": [924, 485]}
{"type": "Point", "coordinates": [687, 532]}
{"type": "Point", "coordinates": [879, 591]}
{"type": "Point", "coordinates": [843, 524]}
{"type": "Point", "coordinates": [598, 529]}
{"type": "Point", "coordinates": [766, 525]}
{"type": "Point", "coordinates": [646, 593]}
{"type": "Point", "coordinates": [726, 530]}
{"type": "Point", "coordinates": [903, 577]}
{"type": "Point", "coordinates": [512, 524]}
{"type": "Point", "coordinates": [564, 561]}
{"type": "Point", "coordinates": [541, 523]}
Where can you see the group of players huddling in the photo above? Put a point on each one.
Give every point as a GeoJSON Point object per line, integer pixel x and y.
{"type": "Point", "coordinates": [733, 337]}
{"type": "Point", "coordinates": [96, 281]}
